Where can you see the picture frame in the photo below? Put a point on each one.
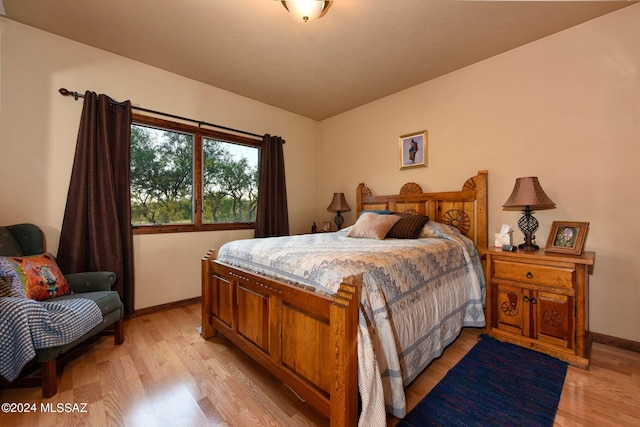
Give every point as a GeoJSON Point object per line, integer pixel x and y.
{"type": "Point", "coordinates": [567, 237]}
{"type": "Point", "coordinates": [326, 226]}
{"type": "Point", "coordinates": [413, 150]}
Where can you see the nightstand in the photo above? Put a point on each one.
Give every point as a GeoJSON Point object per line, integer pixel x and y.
{"type": "Point", "coordinates": [540, 301]}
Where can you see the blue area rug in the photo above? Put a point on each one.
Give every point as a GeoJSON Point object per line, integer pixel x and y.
{"type": "Point", "coordinates": [495, 384]}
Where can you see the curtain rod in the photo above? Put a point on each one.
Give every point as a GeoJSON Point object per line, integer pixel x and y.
{"type": "Point", "coordinates": [76, 95]}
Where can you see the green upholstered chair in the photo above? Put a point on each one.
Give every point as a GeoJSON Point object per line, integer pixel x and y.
{"type": "Point", "coordinates": [28, 239]}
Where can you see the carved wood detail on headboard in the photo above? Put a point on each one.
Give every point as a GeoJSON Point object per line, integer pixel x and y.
{"type": "Point", "coordinates": [411, 188]}
{"type": "Point", "coordinates": [470, 184]}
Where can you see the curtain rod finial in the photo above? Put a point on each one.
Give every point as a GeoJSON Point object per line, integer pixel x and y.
{"type": "Point", "coordinates": [65, 92]}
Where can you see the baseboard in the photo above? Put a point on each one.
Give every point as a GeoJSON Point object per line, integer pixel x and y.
{"type": "Point", "coordinates": [616, 342]}
{"type": "Point", "coordinates": [167, 306]}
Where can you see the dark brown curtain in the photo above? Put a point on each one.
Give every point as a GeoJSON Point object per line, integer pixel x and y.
{"type": "Point", "coordinates": [272, 216]}
{"type": "Point", "coordinates": [96, 230]}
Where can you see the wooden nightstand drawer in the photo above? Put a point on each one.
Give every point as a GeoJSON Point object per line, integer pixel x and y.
{"type": "Point", "coordinates": [532, 273]}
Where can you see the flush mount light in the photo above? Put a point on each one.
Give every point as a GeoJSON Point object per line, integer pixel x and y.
{"type": "Point", "coordinates": [305, 10]}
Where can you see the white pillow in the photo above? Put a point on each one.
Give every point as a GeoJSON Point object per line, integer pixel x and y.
{"type": "Point", "coordinates": [373, 226]}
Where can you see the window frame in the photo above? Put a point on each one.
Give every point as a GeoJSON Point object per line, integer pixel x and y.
{"type": "Point", "coordinates": [198, 133]}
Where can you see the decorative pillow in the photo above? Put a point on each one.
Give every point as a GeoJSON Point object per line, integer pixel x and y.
{"type": "Point", "coordinates": [37, 277]}
{"type": "Point", "coordinates": [373, 226]}
{"type": "Point", "coordinates": [409, 227]}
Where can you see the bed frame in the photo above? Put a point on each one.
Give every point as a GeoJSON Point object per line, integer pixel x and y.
{"type": "Point", "coordinates": [309, 340]}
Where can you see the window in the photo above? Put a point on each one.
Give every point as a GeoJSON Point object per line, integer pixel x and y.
{"type": "Point", "coordinates": [161, 176]}
{"type": "Point", "coordinates": [230, 181]}
{"type": "Point", "coordinates": [188, 178]}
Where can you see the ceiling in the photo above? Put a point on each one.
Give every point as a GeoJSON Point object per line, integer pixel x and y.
{"type": "Point", "coordinates": [359, 51]}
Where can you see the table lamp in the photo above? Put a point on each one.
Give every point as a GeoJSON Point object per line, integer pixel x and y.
{"type": "Point", "coordinates": [528, 195]}
{"type": "Point", "coordinates": [338, 204]}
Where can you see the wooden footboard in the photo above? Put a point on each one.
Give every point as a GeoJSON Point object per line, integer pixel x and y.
{"type": "Point", "coordinates": [307, 340]}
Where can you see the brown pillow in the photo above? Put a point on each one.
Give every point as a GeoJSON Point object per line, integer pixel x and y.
{"type": "Point", "coordinates": [408, 227]}
{"type": "Point", "coordinates": [373, 226]}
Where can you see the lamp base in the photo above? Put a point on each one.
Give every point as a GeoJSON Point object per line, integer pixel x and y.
{"type": "Point", "coordinates": [339, 220]}
{"type": "Point", "coordinates": [528, 247]}
{"type": "Point", "coordinates": [528, 225]}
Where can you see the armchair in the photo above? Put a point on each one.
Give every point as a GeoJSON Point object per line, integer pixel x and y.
{"type": "Point", "coordinates": [27, 239]}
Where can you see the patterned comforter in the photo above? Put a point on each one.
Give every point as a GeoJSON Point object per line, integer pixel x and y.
{"type": "Point", "coordinates": [416, 297]}
{"type": "Point", "coordinates": [27, 325]}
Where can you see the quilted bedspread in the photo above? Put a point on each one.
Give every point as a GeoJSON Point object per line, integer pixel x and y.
{"type": "Point", "coordinates": [417, 295]}
{"type": "Point", "coordinates": [27, 325]}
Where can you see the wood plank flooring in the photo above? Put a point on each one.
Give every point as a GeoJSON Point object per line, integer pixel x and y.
{"type": "Point", "coordinates": [166, 374]}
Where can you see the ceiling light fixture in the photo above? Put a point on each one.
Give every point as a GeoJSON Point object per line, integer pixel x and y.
{"type": "Point", "coordinates": [305, 10]}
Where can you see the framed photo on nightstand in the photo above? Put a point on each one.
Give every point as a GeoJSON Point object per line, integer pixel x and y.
{"type": "Point", "coordinates": [567, 237]}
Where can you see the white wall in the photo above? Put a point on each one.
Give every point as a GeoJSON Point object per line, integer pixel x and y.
{"type": "Point", "coordinates": [565, 108]}
{"type": "Point", "coordinates": [38, 130]}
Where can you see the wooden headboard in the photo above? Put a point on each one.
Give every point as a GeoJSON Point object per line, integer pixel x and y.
{"type": "Point", "coordinates": [465, 209]}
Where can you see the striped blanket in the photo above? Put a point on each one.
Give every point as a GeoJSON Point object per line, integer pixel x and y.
{"type": "Point", "coordinates": [27, 325]}
{"type": "Point", "coordinates": [417, 295]}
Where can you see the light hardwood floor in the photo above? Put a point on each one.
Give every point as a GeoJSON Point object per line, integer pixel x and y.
{"type": "Point", "coordinates": [166, 374]}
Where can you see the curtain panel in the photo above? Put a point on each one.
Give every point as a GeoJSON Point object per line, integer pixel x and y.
{"type": "Point", "coordinates": [96, 229]}
{"type": "Point", "coordinates": [272, 216]}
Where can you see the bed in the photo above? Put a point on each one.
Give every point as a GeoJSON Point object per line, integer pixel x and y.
{"type": "Point", "coordinates": [328, 314]}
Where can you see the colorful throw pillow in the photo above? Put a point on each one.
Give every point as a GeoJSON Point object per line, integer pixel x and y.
{"type": "Point", "coordinates": [409, 227]}
{"type": "Point", "coordinates": [37, 277]}
{"type": "Point", "coordinates": [373, 226]}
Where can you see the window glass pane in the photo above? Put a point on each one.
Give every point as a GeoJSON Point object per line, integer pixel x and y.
{"type": "Point", "coordinates": [230, 181]}
{"type": "Point", "coordinates": [161, 176]}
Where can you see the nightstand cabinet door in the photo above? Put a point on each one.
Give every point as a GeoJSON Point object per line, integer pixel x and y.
{"type": "Point", "coordinates": [511, 312]}
{"type": "Point", "coordinates": [554, 319]}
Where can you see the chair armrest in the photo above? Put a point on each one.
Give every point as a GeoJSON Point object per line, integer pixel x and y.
{"type": "Point", "coordinates": [90, 281]}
